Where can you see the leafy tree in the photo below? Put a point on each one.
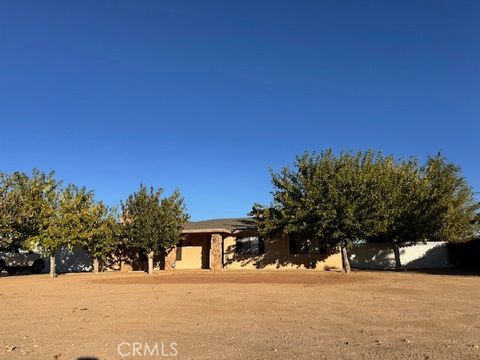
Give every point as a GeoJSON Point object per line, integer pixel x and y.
{"type": "Point", "coordinates": [173, 213]}
{"type": "Point", "coordinates": [152, 224]}
{"type": "Point", "coordinates": [68, 223]}
{"type": "Point", "coordinates": [325, 197]}
{"type": "Point", "coordinates": [25, 202]}
{"type": "Point", "coordinates": [142, 221]}
{"type": "Point", "coordinates": [38, 213]}
{"type": "Point", "coordinates": [367, 196]}
{"type": "Point", "coordinates": [415, 203]}
{"type": "Point", "coordinates": [453, 208]}
{"type": "Point", "coordinates": [103, 233]}
{"type": "Point", "coordinates": [399, 203]}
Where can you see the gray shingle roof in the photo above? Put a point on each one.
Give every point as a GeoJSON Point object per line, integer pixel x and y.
{"type": "Point", "coordinates": [220, 225]}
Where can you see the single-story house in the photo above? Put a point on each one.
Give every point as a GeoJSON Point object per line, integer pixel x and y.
{"type": "Point", "coordinates": [235, 244]}
{"type": "Point", "coordinates": [224, 244]}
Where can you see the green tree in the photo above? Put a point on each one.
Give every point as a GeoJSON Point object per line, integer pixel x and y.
{"type": "Point", "coordinates": [325, 197]}
{"type": "Point", "coordinates": [453, 208]}
{"type": "Point", "coordinates": [342, 199]}
{"type": "Point", "coordinates": [24, 204]}
{"type": "Point", "coordinates": [67, 224]}
{"type": "Point", "coordinates": [103, 235]}
{"type": "Point", "coordinates": [399, 203]}
{"type": "Point", "coordinates": [152, 224]}
{"type": "Point", "coordinates": [173, 213]}
{"type": "Point", "coordinates": [432, 202]}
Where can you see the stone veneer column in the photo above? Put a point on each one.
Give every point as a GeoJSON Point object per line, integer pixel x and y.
{"type": "Point", "coordinates": [170, 259]}
{"type": "Point", "coordinates": [216, 261]}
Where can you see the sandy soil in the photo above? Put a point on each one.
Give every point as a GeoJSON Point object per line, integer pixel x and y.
{"type": "Point", "coordinates": [234, 315]}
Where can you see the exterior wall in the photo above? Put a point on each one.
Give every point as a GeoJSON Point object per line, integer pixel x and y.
{"type": "Point", "coordinates": [191, 258]}
{"type": "Point", "coordinates": [432, 255]}
{"type": "Point", "coordinates": [277, 256]}
{"type": "Point", "coordinates": [195, 252]}
{"type": "Point", "coordinates": [197, 256]}
{"type": "Point", "coordinates": [67, 262]}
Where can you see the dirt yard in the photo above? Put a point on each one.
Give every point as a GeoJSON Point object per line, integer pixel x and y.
{"type": "Point", "coordinates": [235, 315]}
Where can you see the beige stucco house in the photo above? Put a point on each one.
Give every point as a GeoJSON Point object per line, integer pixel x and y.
{"type": "Point", "coordinates": [235, 244]}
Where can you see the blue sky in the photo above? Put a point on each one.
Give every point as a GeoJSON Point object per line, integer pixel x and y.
{"type": "Point", "coordinates": [207, 95]}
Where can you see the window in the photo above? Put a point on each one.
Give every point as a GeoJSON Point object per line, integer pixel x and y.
{"type": "Point", "coordinates": [250, 245]}
{"type": "Point", "coordinates": [306, 246]}
{"type": "Point", "coordinates": [178, 254]}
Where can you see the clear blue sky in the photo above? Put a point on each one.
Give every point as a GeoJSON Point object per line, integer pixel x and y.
{"type": "Point", "coordinates": [207, 95]}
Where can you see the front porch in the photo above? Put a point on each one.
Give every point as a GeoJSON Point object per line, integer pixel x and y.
{"type": "Point", "coordinates": [202, 247]}
{"type": "Point", "coordinates": [198, 251]}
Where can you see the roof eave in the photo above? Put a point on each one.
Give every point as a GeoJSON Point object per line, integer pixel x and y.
{"type": "Point", "coordinates": [198, 231]}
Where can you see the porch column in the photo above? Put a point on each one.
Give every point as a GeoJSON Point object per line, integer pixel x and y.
{"type": "Point", "coordinates": [170, 259]}
{"type": "Point", "coordinates": [216, 261]}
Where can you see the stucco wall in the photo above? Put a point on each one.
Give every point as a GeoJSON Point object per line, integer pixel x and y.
{"type": "Point", "coordinates": [432, 255]}
{"type": "Point", "coordinates": [191, 257]}
{"type": "Point", "coordinates": [277, 256]}
{"type": "Point", "coordinates": [194, 253]}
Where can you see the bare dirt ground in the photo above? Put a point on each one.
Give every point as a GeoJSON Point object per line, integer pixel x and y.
{"type": "Point", "coordinates": [236, 315]}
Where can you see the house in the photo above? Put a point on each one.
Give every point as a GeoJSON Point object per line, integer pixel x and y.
{"type": "Point", "coordinates": [235, 244]}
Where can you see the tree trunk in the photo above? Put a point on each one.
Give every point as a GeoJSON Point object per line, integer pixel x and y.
{"type": "Point", "coordinates": [53, 272]}
{"type": "Point", "coordinates": [150, 262]}
{"type": "Point", "coordinates": [396, 252]}
{"type": "Point", "coordinates": [96, 266]}
{"type": "Point", "coordinates": [345, 261]}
